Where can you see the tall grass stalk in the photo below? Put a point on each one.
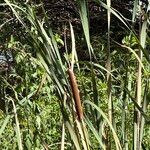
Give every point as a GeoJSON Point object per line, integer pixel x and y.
{"type": "Point", "coordinates": [144, 108]}
{"type": "Point", "coordinates": [143, 35]}
{"type": "Point", "coordinates": [109, 82]}
{"type": "Point", "coordinates": [63, 127]}
{"type": "Point", "coordinates": [18, 132]}
{"type": "Point", "coordinates": [63, 137]}
{"type": "Point", "coordinates": [108, 64]}
{"type": "Point", "coordinates": [125, 98]}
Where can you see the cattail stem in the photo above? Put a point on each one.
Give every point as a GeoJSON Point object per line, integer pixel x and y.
{"type": "Point", "coordinates": [76, 95]}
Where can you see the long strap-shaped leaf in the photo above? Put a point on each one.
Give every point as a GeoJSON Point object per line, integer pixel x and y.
{"type": "Point", "coordinates": [85, 23]}
{"type": "Point", "coordinates": [116, 139]}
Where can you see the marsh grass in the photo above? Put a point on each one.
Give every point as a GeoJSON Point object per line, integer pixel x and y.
{"type": "Point", "coordinates": [87, 117]}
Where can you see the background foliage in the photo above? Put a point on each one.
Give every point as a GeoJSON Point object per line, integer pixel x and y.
{"type": "Point", "coordinates": [106, 46]}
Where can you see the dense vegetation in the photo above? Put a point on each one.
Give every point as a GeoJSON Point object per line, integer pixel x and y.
{"type": "Point", "coordinates": [74, 74]}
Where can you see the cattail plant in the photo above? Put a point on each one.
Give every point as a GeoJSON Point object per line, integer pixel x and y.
{"type": "Point", "coordinates": [110, 113]}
